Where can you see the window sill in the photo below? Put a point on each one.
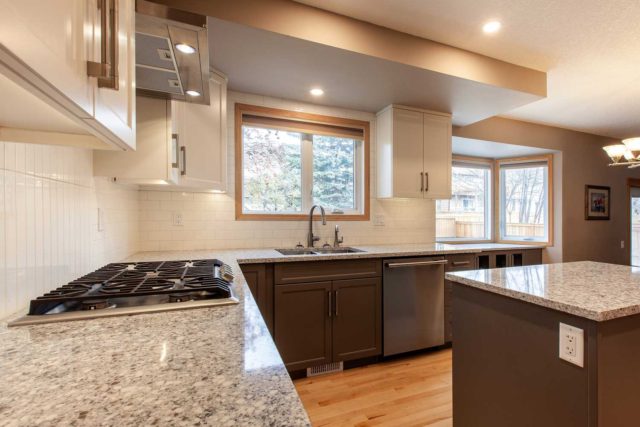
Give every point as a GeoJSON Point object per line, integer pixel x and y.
{"type": "Point", "coordinates": [525, 242]}
{"type": "Point", "coordinates": [300, 217]}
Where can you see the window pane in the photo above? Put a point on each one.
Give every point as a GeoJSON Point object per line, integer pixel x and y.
{"type": "Point", "coordinates": [465, 215]}
{"type": "Point", "coordinates": [272, 170]}
{"type": "Point", "coordinates": [334, 175]}
{"type": "Point", "coordinates": [523, 202]}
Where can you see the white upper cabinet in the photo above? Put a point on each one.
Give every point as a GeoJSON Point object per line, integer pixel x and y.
{"type": "Point", "coordinates": [179, 144]}
{"type": "Point", "coordinates": [45, 48]}
{"type": "Point", "coordinates": [414, 153]}
{"type": "Point", "coordinates": [202, 133]}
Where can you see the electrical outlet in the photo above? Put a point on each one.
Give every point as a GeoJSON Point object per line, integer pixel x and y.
{"type": "Point", "coordinates": [571, 344]}
{"type": "Point", "coordinates": [621, 244]}
{"type": "Point", "coordinates": [101, 220]}
{"type": "Point", "coordinates": [177, 219]}
{"type": "Point", "coordinates": [378, 220]}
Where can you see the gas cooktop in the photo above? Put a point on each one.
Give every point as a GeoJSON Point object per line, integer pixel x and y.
{"type": "Point", "coordinates": [135, 287]}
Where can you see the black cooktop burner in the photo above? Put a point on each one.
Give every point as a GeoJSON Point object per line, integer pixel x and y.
{"type": "Point", "coordinates": [143, 283]}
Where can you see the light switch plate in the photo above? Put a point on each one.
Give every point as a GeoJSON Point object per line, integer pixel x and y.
{"type": "Point", "coordinates": [177, 219]}
{"type": "Point", "coordinates": [571, 343]}
{"type": "Point", "coordinates": [378, 220]}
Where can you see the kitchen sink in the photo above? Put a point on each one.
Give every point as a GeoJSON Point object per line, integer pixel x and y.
{"type": "Point", "coordinates": [296, 251]}
{"type": "Point", "coordinates": [345, 250]}
{"type": "Point", "coordinates": [318, 251]}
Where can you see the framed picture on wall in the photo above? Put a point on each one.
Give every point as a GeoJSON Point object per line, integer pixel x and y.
{"type": "Point", "coordinates": [597, 202]}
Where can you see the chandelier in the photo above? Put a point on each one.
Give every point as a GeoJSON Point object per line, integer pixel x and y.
{"type": "Point", "coordinates": [625, 154]}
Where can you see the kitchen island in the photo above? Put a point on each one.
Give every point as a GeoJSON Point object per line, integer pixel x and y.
{"type": "Point", "coordinates": [506, 327]}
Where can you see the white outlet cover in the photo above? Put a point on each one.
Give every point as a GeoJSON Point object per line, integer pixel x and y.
{"type": "Point", "coordinates": [571, 344]}
{"type": "Point", "coordinates": [378, 220]}
{"type": "Point", "coordinates": [101, 219]}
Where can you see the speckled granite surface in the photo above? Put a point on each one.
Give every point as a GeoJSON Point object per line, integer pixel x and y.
{"type": "Point", "coordinates": [210, 366]}
{"type": "Point", "coordinates": [592, 290]}
{"type": "Point", "coordinates": [251, 256]}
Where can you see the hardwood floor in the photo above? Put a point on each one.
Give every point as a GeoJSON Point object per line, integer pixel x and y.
{"type": "Point", "coordinates": [412, 391]}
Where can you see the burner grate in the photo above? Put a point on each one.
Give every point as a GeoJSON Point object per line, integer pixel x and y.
{"type": "Point", "coordinates": [202, 279]}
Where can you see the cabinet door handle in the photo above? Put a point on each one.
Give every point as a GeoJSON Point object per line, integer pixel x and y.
{"type": "Point", "coordinates": [335, 294]}
{"type": "Point", "coordinates": [421, 182]}
{"type": "Point", "coordinates": [175, 140]}
{"type": "Point", "coordinates": [107, 69]}
{"type": "Point", "coordinates": [183, 150]}
{"type": "Point", "coordinates": [415, 263]}
{"type": "Point", "coordinates": [330, 305]}
{"type": "Point", "coordinates": [459, 263]}
{"type": "Point", "coordinates": [426, 178]}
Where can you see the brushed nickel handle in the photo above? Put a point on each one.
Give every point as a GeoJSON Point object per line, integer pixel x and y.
{"type": "Point", "coordinates": [183, 150]}
{"type": "Point", "coordinates": [421, 182]}
{"type": "Point", "coordinates": [330, 305]}
{"type": "Point", "coordinates": [426, 177]}
{"type": "Point", "coordinates": [107, 69]}
{"type": "Point", "coordinates": [415, 263]}
{"type": "Point", "coordinates": [458, 263]}
{"type": "Point", "coordinates": [175, 139]}
{"type": "Point", "coordinates": [335, 295]}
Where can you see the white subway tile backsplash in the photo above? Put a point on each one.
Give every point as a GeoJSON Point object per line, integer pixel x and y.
{"type": "Point", "coordinates": [209, 219]}
{"type": "Point", "coordinates": [48, 220]}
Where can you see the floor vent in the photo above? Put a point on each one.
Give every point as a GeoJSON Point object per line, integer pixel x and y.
{"type": "Point", "coordinates": [325, 369]}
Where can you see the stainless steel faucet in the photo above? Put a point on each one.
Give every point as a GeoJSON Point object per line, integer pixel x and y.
{"type": "Point", "coordinates": [337, 238]}
{"type": "Point", "coordinates": [311, 239]}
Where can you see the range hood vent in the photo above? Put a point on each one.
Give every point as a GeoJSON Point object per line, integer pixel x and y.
{"type": "Point", "coordinates": [162, 71]}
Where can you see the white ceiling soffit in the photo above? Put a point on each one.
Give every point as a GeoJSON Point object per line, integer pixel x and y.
{"type": "Point", "coordinates": [590, 49]}
{"type": "Point", "coordinates": [266, 63]}
{"type": "Point", "coordinates": [495, 150]}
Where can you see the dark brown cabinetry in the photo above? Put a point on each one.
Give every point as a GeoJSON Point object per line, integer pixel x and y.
{"type": "Point", "coordinates": [318, 322]}
{"type": "Point", "coordinates": [303, 318]}
{"type": "Point", "coordinates": [259, 279]}
{"type": "Point", "coordinates": [459, 262]}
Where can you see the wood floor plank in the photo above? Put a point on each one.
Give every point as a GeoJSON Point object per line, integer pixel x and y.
{"type": "Point", "coordinates": [412, 391]}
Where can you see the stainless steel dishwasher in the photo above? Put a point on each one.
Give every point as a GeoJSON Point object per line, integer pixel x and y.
{"type": "Point", "coordinates": [413, 304]}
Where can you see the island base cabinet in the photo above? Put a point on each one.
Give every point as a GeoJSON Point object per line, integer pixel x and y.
{"type": "Point", "coordinates": [322, 322]}
{"type": "Point", "coordinates": [357, 319]}
{"type": "Point", "coordinates": [303, 324]}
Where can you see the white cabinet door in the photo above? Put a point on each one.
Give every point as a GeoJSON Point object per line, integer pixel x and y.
{"type": "Point", "coordinates": [115, 109]}
{"type": "Point", "coordinates": [202, 131]}
{"type": "Point", "coordinates": [54, 39]}
{"type": "Point", "coordinates": [407, 153]}
{"type": "Point", "coordinates": [437, 156]}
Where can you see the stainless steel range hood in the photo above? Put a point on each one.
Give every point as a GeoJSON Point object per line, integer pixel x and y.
{"type": "Point", "coordinates": [162, 70]}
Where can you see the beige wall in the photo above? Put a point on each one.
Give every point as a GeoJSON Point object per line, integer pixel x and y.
{"type": "Point", "coordinates": [49, 234]}
{"type": "Point", "coordinates": [209, 219]}
{"type": "Point", "coordinates": [582, 162]}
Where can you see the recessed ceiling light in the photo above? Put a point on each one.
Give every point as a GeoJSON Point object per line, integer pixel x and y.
{"type": "Point", "coordinates": [316, 91]}
{"type": "Point", "coordinates": [193, 93]}
{"type": "Point", "coordinates": [185, 48]}
{"type": "Point", "coordinates": [492, 27]}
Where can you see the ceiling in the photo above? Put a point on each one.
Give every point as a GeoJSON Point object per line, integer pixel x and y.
{"type": "Point", "coordinates": [498, 150]}
{"type": "Point", "coordinates": [280, 66]}
{"type": "Point", "coordinates": [590, 49]}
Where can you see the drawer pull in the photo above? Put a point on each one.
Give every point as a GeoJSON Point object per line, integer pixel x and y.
{"type": "Point", "coordinates": [459, 263]}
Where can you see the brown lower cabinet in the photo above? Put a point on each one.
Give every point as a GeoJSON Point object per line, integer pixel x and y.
{"type": "Point", "coordinates": [329, 321]}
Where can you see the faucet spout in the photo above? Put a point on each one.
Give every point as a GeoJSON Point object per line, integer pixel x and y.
{"type": "Point", "coordinates": [311, 239]}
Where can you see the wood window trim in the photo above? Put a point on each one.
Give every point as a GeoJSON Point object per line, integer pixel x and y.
{"type": "Point", "coordinates": [254, 110]}
{"type": "Point", "coordinates": [548, 158]}
{"type": "Point", "coordinates": [490, 164]}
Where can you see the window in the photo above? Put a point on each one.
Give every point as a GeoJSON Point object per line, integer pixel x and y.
{"type": "Point", "coordinates": [467, 215]}
{"type": "Point", "coordinates": [288, 161]}
{"type": "Point", "coordinates": [525, 199]}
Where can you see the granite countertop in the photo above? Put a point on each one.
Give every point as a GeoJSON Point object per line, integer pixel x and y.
{"type": "Point", "coordinates": [207, 366]}
{"type": "Point", "coordinates": [592, 290]}
{"type": "Point", "coordinates": [255, 256]}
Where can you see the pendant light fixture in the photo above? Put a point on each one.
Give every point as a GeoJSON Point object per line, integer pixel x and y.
{"type": "Point", "coordinates": [625, 154]}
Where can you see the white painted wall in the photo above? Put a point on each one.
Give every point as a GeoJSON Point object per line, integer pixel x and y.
{"type": "Point", "coordinates": [209, 219]}
{"type": "Point", "coordinates": [49, 201]}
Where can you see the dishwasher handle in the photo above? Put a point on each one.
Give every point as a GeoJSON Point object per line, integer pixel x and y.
{"type": "Point", "coordinates": [415, 263]}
